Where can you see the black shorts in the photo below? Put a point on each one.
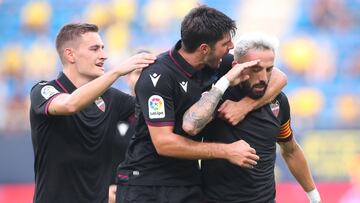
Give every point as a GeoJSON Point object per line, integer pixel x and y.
{"type": "Point", "coordinates": [158, 194]}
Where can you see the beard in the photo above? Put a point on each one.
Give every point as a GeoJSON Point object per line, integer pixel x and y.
{"type": "Point", "coordinates": [250, 90]}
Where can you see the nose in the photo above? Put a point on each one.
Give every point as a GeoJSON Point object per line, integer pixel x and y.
{"type": "Point", "coordinates": [262, 76]}
{"type": "Point", "coordinates": [231, 45]}
{"type": "Point", "coordinates": [103, 55]}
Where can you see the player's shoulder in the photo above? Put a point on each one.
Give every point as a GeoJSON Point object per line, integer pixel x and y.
{"type": "Point", "coordinates": [281, 99]}
{"type": "Point", "coordinates": [45, 88]}
{"type": "Point", "coordinates": [160, 65]}
{"type": "Point", "coordinates": [43, 83]}
{"type": "Point", "coordinates": [282, 96]}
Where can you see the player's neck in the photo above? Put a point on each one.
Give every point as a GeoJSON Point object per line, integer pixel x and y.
{"type": "Point", "coordinates": [192, 59]}
{"type": "Point", "coordinates": [75, 77]}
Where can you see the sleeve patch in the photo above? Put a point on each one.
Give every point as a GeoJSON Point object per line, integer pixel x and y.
{"type": "Point", "coordinates": [156, 107]}
{"type": "Point", "coordinates": [48, 91]}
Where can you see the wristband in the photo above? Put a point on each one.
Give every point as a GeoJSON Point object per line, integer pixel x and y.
{"type": "Point", "coordinates": [222, 84]}
{"type": "Point", "coordinates": [314, 196]}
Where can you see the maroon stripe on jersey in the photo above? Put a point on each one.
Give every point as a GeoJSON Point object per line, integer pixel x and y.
{"type": "Point", "coordinates": [48, 103]}
{"type": "Point", "coordinates": [160, 124]}
{"type": "Point", "coordinates": [178, 65]}
{"type": "Point", "coordinates": [61, 85]}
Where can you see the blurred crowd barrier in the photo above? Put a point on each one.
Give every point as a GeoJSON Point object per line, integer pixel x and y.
{"type": "Point", "coordinates": [319, 51]}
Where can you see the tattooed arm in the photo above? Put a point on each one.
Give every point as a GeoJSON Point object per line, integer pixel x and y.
{"type": "Point", "coordinates": [201, 113]}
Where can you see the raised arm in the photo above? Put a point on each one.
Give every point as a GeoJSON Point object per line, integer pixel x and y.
{"type": "Point", "coordinates": [170, 144]}
{"type": "Point", "coordinates": [200, 113]}
{"type": "Point", "coordinates": [234, 112]}
{"type": "Point", "coordinates": [298, 166]}
{"type": "Point", "coordinates": [66, 104]}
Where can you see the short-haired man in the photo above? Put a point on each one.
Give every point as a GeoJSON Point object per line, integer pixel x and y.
{"type": "Point", "coordinates": [73, 119]}
{"type": "Point", "coordinates": [261, 129]}
{"type": "Point", "coordinates": [161, 163]}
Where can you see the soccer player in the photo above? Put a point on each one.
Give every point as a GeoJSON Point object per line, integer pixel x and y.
{"type": "Point", "coordinates": [262, 128]}
{"type": "Point", "coordinates": [123, 136]}
{"type": "Point", "coordinates": [73, 119]}
{"type": "Point", "coordinates": [161, 162]}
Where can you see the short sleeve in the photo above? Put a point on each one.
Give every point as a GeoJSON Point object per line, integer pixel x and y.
{"type": "Point", "coordinates": [154, 93]}
{"type": "Point", "coordinates": [286, 133]}
{"type": "Point", "coordinates": [41, 95]}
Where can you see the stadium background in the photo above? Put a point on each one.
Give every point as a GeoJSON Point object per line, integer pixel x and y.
{"type": "Point", "coordinates": [320, 53]}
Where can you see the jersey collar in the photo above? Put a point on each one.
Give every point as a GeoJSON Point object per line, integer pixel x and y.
{"type": "Point", "coordinates": [65, 84]}
{"type": "Point", "coordinates": [180, 62]}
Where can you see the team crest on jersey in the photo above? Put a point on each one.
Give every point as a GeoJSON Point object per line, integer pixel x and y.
{"type": "Point", "coordinates": [100, 104]}
{"type": "Point", "coordinates": [154, 78]}
{"type": "Point", "coordinates": [183, 84]}
{"type": "Point", "coordinates": [156, 107]}
{"type": "Point", "coordinates": [48, 91]}
{"type": "Point", "coordinates": [275, 107]}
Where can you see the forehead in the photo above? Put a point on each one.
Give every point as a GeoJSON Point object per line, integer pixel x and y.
{"type": "Point", "coordinates": [265, 56]}
{"type": "Point", "coordinates": [90, 38]}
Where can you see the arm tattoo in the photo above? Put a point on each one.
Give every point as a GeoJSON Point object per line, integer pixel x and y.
{"type": "Point", "coordinates": [202, 111]}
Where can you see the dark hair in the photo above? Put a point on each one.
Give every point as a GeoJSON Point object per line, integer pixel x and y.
{"type": "Point", "coordinates": [205, 25]}
{"type": "Point", "coordinates": [71, 32]}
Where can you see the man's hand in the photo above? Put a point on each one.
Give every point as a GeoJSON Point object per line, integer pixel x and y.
{"type": "Point", "coordinates": [236, 74]}
{"type": "Point", "coordinates": [112, 193]}
{"type": "Point", "coordinates": [137, 61]}
{"type": "Point", "coordinates": [234, 112]}
{"type": "Point", "coordinates": [240, 153]}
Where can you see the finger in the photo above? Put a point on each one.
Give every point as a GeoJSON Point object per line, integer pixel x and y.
{"type": "Point", "coordinates": [253, 157]}
{"type": "Point", "coordinates": [252, 150]}
{"type": "Point", "coordinates": [223, 106]}
{"type": "Point", "coordinates": [234, 123]}
{"type": "Point", "coordinates": [246, 165]}
{"type": "Point", "coordinates": [141, 65]}
{"type": "Point", "coordinates": [146, 56]}
{"type": "Point", "coordinates": [250, 63]}
{"type": "Point", "coordinates": [148, 61]}
{"type": "Point", "coordinates": [244, 77]}
{"type": "Point", "coordinates": [250, 162]}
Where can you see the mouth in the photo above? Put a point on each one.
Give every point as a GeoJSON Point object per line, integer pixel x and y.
{"type": "Point", "coordinates": [259, 89]}
{"type": "Point", "coordinates": [100, 64]}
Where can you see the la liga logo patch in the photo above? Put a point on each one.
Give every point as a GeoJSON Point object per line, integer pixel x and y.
{"type": "Point", "coordinates": [156, 107]}
{"type": "Point", "coordinates": [48, 91]}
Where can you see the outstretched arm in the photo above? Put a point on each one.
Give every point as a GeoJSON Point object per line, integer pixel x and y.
{"type": "Point", "coordinates": [234, 112]}
{"type": "Point", "coordinates": [67, 104]}
{"type": "Point", "coordinates": [298, 166]}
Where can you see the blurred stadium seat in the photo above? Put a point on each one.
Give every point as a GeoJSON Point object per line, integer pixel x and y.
{"type": "Point", "coordinates": [320, 53]}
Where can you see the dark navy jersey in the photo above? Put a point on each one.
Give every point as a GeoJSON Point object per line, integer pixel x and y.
{"type": "Point", "coordinates": [261, 128]}
{"type": "Point", "coordinates": [121, 142]}
{"type": "Point", "coordinates": [164, 91]}
{"type": "Point", "coordinates": [73, 153]}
